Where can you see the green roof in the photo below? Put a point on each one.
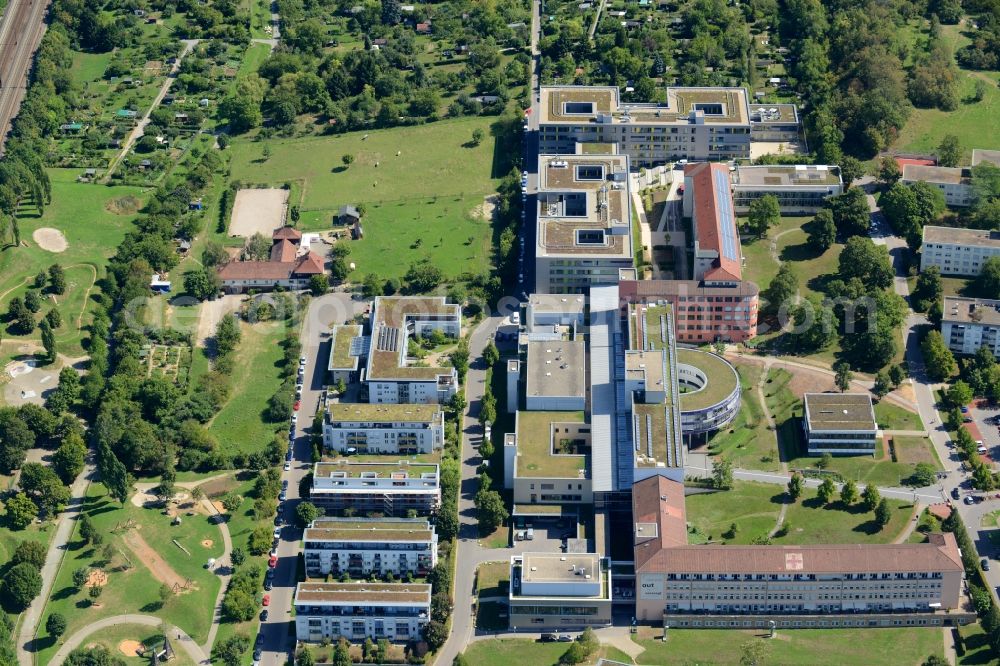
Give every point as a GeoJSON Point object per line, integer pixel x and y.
{"type": "Point", "coordinates": [653, 328]}
{"type": "Point", "coordinates": [534, 446]}
{"type": "Point", "coordinates": [340, 355]}
{"type": "Point", "coordinates": [383, 413]}
{"type": "Point", "coordinates": [722, 379]}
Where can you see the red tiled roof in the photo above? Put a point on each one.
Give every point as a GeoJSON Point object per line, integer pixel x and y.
{"type": "Point", "coordinates": [256, 270]}
{"type": "Point", "coordinates": [283, 250]}
{"type": "Point", "coordinates": [310, 264]}
{"type": "Point", "coordinates": [914, 161]}
{"type": "Point", "coordinates": [708, 217]}
{"type": "Point", "coordinates": [287, 233]}
{"type": "Point", "coordinates": [658, 501]}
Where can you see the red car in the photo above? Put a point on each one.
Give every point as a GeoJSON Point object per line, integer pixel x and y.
{"type": "Point", "coordinates": [273, 561]}
{"type": "Point", "coordinates": [298, 403]}
{"type": "Point", "coordinates": [267, 600]}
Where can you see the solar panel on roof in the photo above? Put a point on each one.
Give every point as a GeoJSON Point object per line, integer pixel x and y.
{"type": "Point", "coordinates": [727, 221]}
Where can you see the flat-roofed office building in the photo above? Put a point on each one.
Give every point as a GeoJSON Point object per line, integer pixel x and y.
{"type": "Point", "coordinates": [556, 375]}
{"type": "Point", "coordinates": [839, 424]}
{"type": "Point", "coordinates": [799, 188]}
{"type": "Point", "coordinates": [693, 124]}
{"type": "Point", "coordinates": [359, 547]}
{"type": "Point", "coordinates": [559, 591]}
{"type": "Point", "coordinates": [958, 251]}
{"type": "Point", "coordinates": [328, 611]}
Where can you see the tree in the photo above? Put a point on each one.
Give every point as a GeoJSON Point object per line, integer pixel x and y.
{"type": "Point", "coordinates": [31, 552]}
{"type": "Point", "coordinates": [113, 474]}
{"type": "Point", "coordinates": [722, 473]}
{"type": "Point", "coordinates": [459, 358]}
{"type": "Point", "coordinates": [924, 474]}
{"type": "Point", "coordinates": [574, 654]}
{"type": "Point", "coordinates": [164, 592]}
{"type": "Point", "coordinates": [304, 658]}
{"type": "Point", "coordinates": [347, 159]}
{"type": "Point", "coordinates": [57, 279]}
{"type": "Point", "coordinates": [56, 625]}
{"type": "Point", "coordinates": [935, 660]}
{"type": "Point", "coordinates": [435, 633]}
{"type": "Point", "coordinates": [232, 502]}
{"type": "Point", "coordinates": [238, 556]}
{"type": "Point", "coordinates": [87, 529]}
{"type": "Point", "coordinates": [928, 289]}
{"type": "Point", "coordinates": [822, 231]}
{"type": "Point", "coordinates": [202, 283]}
{"type": "Point", "coordinates": [53, 318]}
{"type": "Point", "coordinates": [423, 277]}
{"type": "Point", "coordinates": [949, 151]}
{"type": "Point", "coordinates": [490, 510]}
{"type": "Point", "coordinates": [899, 206]}
{"type": "Point", "coordinates": [371, 286]}
{"type": "Point", "coordinates": [888, 172]}
{"type": "Point", "coordinates": [214, 254]}
{"type": "Point", "coordinates": [490, 354]}
{"type": "Point", "coordinates": [20, 511]}
{"type": "Point", "coordinates": [782, 290]}
{"type": "Point", "coordinates": [68, 459]}
{"type": "Point", "coordinates": [882, 513]}
{"type": "Point", "coordinates": [825, 461]}
{"type": "Point", "coordinates": [259, 541]}
{"type": "Point", "coordinates": [871, 497]}
{"type": "Point", "coordinates": [850, 212]}
{"type": "Point", "coordinates": [21, 585]}
{"type": "Point", "coordinates": [986, 285]}
{"type": "Point", "coordinates": [795, 486]}
{"type": "Point", "coordinates": [764, 214]}
{"type": "Point", "coordinates": [867, 261]}
{"type": "Point", "coordinates": [231, 650]}
{"type": "Point", "coordinates": [227, 334]}
{"type": "Point", "coordinates": [897, 373]}
{"type": "Point", "coordinates": [306, 512]}
{"type": "Point", "coordinates": [238, 606]}
{"type": "Point", "coordinates": [959, 394]}
{"type": "Point", "coordinates": [477, 136]}
{"type": "Point", "coordinates": [48, 341]}
{"type": "Point", "coordinates": [22, 317]}
{"type": "Point", "coordinates": [844, 375]}
{"type": "Point", "coordinates": [826, 490]}
{"type": "Point", "coordinates": [851, 168]}
{"type": "Point", "coordinates": [815, 325]}
{"type": "Point", "coordinates": [849, 493]}
{"type": "Point", "coordinates": [32, 301]}
{"type": "Point", "coordinates": [882, 384]}
{"type": "Point", "coordinates": [938, 359]}
{"type": "Point", "coordinates": [754, 652]}
{"type": "Point", "coordinates": [80, 577]}
{"type": "Point", "coordinates": [319, 284]}
{"type": "Point", "coordinates": [342, 655]}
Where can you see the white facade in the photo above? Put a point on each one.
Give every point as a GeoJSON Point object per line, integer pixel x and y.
{"type": "Point", "coordinates": [839, 424]}
{"type": "Point", "coordinates": [970, 323]}
{"type": "Point", "coordinates": [390, 489]}
{"type": "Point", "coordinates": [438, 391]}
{"type": "Point", "coordinates": [362, 548]}
{"type": "Point", "coordinates": [954, 182]}
{"type": "Point", "coordinates": [356, 611]}
{"type": "Point", "coordinates": [958, 251]}
{"type": "Point", "coordinates": [375, 431]}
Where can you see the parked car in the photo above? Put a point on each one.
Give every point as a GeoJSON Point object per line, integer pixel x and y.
{"type": "Point", "coordinates": [548, 638]}
{"type": "Point", "coordinates": [281, 496]}
{"type": "Point", "coordinates": [272, 561]}
{"type": "Point", "coordinates": [267, 584]}
{"type": "Point", "coordinates": [288, 465]}
{"type": "Point", "coordinates": [968, 500]}
{"type": "Point", "coordinates": [985, 564]}
{"type": "Point", "coordinates": [565, 638]}
{"type": "Point", "coordinates": [298, 403]}
{"type": "Point", "coordinates": [263, 618]}
{"type": "Point", "coordinates": [965, 410]}
{"type": "Point", "coordinates": [277, 532]}
{"type": "Point", "coordinates": [266, 601]}
{"type": "Point", "coordinates": [530, 535]}
{"type": "Point", "coordinates": [955, 494]}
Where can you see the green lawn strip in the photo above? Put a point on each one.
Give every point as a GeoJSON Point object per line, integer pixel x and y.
{"type": "Point", "coordinates": [505, 651]}
{"type": "Point", "coordinates": [149, 637]}
{"type": "Point", "coordinates": [812, 647]}
{"type": "Point", "coordinates": [893, 417]}
{"type": "Point", "coordinates": [493, 578]}
{"type": "Point", "coordinates": [255, 55]}
{"type": "Point", "coordinates": [240, 423]}
{"type": "Point", "coordinates": [811, 523]}
{"type": "Point", "coordinates": [135, 589]}
{"type": "Point", "coordinates": [80, 212]}
{"type": "Point", "coordinates": [976, 644]}
{"type": "Point", "coordinates": [747, 440]}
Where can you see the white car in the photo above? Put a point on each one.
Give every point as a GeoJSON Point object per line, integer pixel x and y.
{"type": "Point", "coordinates": [515, 317]}
{"type": "Point", "coordinates": [277, 532]}
{"type": "Point", "coordinates": [288, 465]}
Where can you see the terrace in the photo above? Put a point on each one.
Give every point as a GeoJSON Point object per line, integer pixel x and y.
{"type": "Point", "coordinates": [392, 320]}
{"type": "Point", "coordinates": [535, 446]}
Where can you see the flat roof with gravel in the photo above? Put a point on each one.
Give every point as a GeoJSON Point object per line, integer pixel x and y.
{"type": "Point", "coordinates": [556, 368]}
{"type": "Point", "coordinates": [839, 411]}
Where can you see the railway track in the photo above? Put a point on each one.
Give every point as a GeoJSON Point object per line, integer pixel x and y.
{"type": "Point", "coordinates": [21, 28]}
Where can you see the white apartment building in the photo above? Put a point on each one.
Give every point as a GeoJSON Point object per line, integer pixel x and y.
{"type": "Point", "coordinates": [958, 251]}
{"type": "Point", "coordinates": [839, 424]}
{"type": "Point", "coordinates": [694, 124]}
{"type": "Point", "coordinates": [954, 182]}
{"type": "Point", "coordinates": [799, 188]}
{"type": "Point", "coordinates": [367, 428]}
{"type": "Point", "coordinates": [970, 323]}
{"type": "Point", "coordinates": [391, 376]}
{"type": "Point", "coordinates": [334, 546]}
{"type": "Point", "coordinates": [584, 222]}
{"type": "Point", "coordinates": [385, 489]}
{"type": "Point", "coordinates": [552, 590]}
{"type": "Point", "coordinates": [356, 611]}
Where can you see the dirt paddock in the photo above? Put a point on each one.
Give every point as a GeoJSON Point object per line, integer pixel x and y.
{"type": "Point", "coordinates": [258, 211]}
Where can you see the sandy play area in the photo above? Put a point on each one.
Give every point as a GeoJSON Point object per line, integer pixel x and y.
{"type": "Point", "coordinates": [53, 240]}
{"type": "Point", "coordinates": [96, 578]}
{"type": "Point", "coordinates": [258, 211]}
{"type": "Point", "coordinates": [131, 648]}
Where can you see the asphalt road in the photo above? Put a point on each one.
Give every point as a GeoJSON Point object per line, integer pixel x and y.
{"type": "Point", "coordinates": [279, 629]}
{"type": "Point", "coordinates": [21, 30]}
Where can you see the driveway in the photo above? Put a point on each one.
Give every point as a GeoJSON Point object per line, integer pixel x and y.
{"type": "Point", "coordinates": [324, 311]}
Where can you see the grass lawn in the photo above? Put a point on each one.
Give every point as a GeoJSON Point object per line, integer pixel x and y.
{"type": "Point", "coordinates": [977, 646]}
{"type": "Point", "coordinates": [811, 523]}
{"type": "Point", "coordinates": [134, 588]}
{"type": "Point", "coordinates": [256, 54]}
{"type": "Point", "coordinates": [493, 578]}
{"type": "Point", "coordinates": [506, 651]}
{"type": "Point", "coordinates": [747, 441]}
{"type": "Point", "coordinates": [893, 417]}
{"type": "Point", "coordinates": [81, 212]}
{"type": "Point", "coordinates": [9, 538]}
{"type": "Point", "coordinates": [149, 637]}
{"type": "Point", "coordinates": [812, 647]}
{"type": "Point", "coordinates": [240, 422]}
{"type": "Point", "coordinates": [752, 506]}
{"type": "Point", "coordinates": [977, 125]}
{"type": "Point", "coordinates": [428, 192]}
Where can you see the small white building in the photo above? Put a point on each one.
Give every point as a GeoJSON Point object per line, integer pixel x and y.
{"type": "Point", "coordinates": [958, 251]}
{"type": "Point", "coordinates": [954, 182]}
{"type": "Point", "coordinates": [559, 591]}
{"type": "Point", "coordinates": [970, 323]}
{"type": "Point", "coordinates": [363, 547]}
{"type": "Point", "coordinates": [839, 424]}
{"type": "Point", "coordinates": [366, 428]}
{"type": "Point", "coordinates": [799, 188]}
{"type": "Point", "coordinates": [356, 611]}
